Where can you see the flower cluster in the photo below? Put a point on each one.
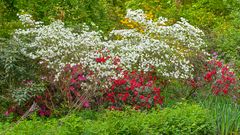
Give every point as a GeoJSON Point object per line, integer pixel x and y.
{"type": "Point", "coordinates": [136, 89]}
{"type": "Point", "coordinates": [102, 62]}
{"type": "Point", "coordinates": [221, 78]}
{"type": "Point", "coordinates": [27, 20]}
{"type": "Point", "coordinates": [158, 43]}
{"type": "Point", "coordinates": [76, 85]}
{"type": "Point", "coordinates": [56, 45]}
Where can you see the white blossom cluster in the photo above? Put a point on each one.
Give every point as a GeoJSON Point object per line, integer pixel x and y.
{"type": "Point", "coordinates": [26, 19]}
{"type": "Point", "coordinates": [166, 47]}
{"type": "Point", "coordinates": [56, 44]}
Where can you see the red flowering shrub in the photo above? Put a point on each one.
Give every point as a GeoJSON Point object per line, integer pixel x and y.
{"type": "Point", "coordinates": [218, 75]}
{"type": "Point", "coordinates": [137, 89]}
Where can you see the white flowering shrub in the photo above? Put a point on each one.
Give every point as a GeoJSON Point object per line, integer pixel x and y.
{"type": "Point", "coordinates": [167, 48]}
{"type": "Point", "coordinates": [55, 44]}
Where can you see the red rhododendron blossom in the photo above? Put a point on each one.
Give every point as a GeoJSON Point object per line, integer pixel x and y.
{"type": "Point", "coordinates": [141, 97]}
{"type": "Point", "coordinates": [219, 76]}
{"type": "Point", "coordinates": [101, 60]}
{"type": "Point", "coordinates": [73, 80]}
{"type": "Point", "coordinates": [133, 88]}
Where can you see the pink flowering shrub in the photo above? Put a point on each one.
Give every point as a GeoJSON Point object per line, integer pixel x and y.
{"type": "Point", "coordinates": [73, 83]}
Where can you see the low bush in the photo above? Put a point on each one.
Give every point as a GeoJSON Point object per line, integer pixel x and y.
{"type": "Point", "coordinates": [182, 119]}
{"type": "Point", "coordinates": [215, 78]}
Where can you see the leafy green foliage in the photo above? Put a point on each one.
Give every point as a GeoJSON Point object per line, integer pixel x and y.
{"type": "Point", "coordinates": [24, 94]}
{"type": "Point", "coordinates": [228, 38]}
{"type": "Point", "coordinates": [226, 112]}
{"type": "Point", "coordinates": [14, 68]}
{"type": "Point", "coordinates": [182, 119]}
{"type": "Point", "coordinates": [14, 65]}
{"type": "Point", "coordinates": [104, 13]}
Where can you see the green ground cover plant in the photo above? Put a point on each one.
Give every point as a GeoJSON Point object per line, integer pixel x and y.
{"type": "Point", "coordinates": [180, 119]}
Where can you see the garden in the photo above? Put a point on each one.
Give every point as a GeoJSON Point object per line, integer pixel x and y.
{"type": "Point", "coordinates": [120, 67]}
